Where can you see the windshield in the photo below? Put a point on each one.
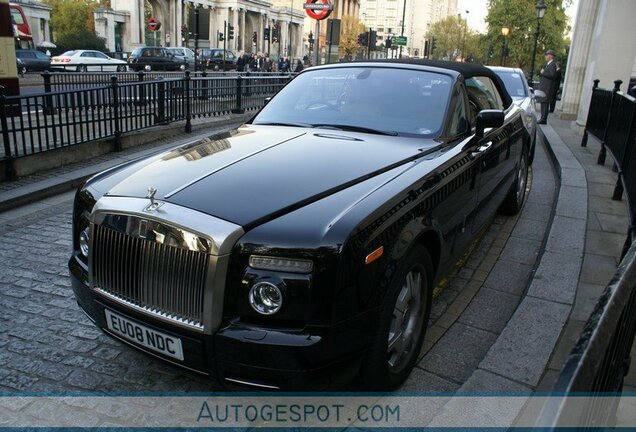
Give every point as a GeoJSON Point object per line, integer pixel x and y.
{"type": "Point", "coordinates": [396, 101]}
{"type": "Point", "coordinates": [514, 84]}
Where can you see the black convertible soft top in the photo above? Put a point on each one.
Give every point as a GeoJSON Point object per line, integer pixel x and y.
{"type": "Point", "coordinates": [468, 70]}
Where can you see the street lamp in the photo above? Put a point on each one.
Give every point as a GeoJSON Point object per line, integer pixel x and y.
{"type": "Point", "coordinates": [541, 8]}
{"type": "Point", "coordinates": [505, 31]}
{"type": "Point", "coordinates": [465, 31]}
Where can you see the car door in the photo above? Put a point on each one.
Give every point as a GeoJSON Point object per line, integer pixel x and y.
{"type": "Point", "coordinates": [458, 177]}
{"type": "Point", "coordinates": [28, 58]}
{"type": "Point", "coordinates": [493, 152]}
{"type": "Point", "coordinates": [103, 60]}
{"type": "Point", "coordinates": [87, 59]}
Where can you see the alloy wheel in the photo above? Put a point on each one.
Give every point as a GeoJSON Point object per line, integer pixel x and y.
{"type": "Point", "coordinates": [522, 179]}
{"type": "Point", "coordinates": [407, 320]}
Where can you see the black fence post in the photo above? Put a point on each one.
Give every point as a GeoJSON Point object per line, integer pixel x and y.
{"type": "Point", "coordinates": [239, 97]}
{"type": "Point", "coordinates": [186, 100]}
{"type": "Point", "coordinates": [142, 89]}
{"type": "Point", "coordinates": [204, 85]}
{"type": "Point", "coordinates": [10, 173]}
{"type": "Point", "coordinates": [627, 154]}
{"type": "Point", "coordinates": [48, 99]}
{"type": "Point", "coordinates": [603, 153]}
{"type": "Point", "coordinates": [584, 141]}
{"type": "Point", "coordinates": [161, 101]}
{"type": "Point", "coordinates": [116, 120]}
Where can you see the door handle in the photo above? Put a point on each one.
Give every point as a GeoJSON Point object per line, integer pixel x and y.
{"type": "Point", "coordinates": [481, 149]}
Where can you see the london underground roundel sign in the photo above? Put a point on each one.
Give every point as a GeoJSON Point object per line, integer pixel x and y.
{"type": "Point", "coordinates": [153, 24]}
{"type": "Point", "coordinates": [318, 9]}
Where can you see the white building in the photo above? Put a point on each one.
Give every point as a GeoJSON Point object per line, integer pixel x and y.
{"type": "Point", "coordinates": [246, 16]}
{"type": "Point", "coordinates": [385, 16]}
{"type": "Point", "coordinates": [602, 48]}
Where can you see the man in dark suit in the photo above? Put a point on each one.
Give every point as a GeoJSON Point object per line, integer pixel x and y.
{"type": "Point", "coordinates": [557, 84]}
{"type": "Point", "coordinates": [547, 84]}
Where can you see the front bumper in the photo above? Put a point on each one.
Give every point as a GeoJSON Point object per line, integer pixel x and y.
{"type": "Point", "coordinates": [242, 356]}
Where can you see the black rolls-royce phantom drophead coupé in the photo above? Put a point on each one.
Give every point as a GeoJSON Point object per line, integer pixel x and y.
{"type": "Point", "coordinates": [300, 250]}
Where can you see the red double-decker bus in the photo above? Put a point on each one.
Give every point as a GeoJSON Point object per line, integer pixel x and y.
{"type": "Point", "coordinates": [21, 30]}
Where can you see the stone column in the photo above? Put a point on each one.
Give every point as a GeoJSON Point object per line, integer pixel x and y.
{"type": "Point", "coordinates": [578, 59]}
{"type": "Point", "coordinates": [243, 31]}
{"type": "Point", "coordinates": [260, 48]}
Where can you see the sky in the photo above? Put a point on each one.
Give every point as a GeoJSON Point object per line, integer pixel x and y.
{"type": "Point", "coordinates": [477, 12]}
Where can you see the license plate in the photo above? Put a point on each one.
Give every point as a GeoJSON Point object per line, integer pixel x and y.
{"type": "Point", "coordinates": [142, 335]}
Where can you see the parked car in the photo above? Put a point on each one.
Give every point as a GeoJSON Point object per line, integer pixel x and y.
{"type": "Point", "coordinates": [523, 96]}
{"type": "Point", "coordinates": [213, 59]}
{"type": "Point", "coordinates": [155, 58]}
{"type": "Point", "coordinates": [87, 61]}
{"type": "Point", "coordinates": [20, 66]}
{"type": "Point", "coordinates": [33, 60]}
{"type": "Point", "coordinates": [302, 249]}
{"type": "Point", "coordinates": [184, 54]}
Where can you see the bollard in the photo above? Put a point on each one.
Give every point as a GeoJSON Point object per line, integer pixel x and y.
{"type": "Point", "coordinates": [204, 85]}
{"type": "Point", "coordinates": [603, 153]}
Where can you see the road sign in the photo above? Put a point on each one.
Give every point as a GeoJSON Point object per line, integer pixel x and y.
{"type": "Point", "coordinates": [399, 40]}
{"type": "Point", "coordinates": [318, 9]}
{"type": "Point", "coordinates": [153, 24]}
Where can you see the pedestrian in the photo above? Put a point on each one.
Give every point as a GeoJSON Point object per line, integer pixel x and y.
{"type": "Point", "coordinates": [299, 66]}
{"type": "Point", "coordinates": [240, 64]}
{"type": "Point", "coordinates": [547, 84]}
{"type": "Point", "coordinates": [557, 84]}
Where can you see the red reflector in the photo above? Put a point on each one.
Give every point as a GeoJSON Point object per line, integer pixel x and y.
{"type": "Point", "coordinates": [374, 255]}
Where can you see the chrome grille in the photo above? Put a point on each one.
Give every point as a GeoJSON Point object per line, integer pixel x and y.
{"type": "Point", "coordinates": [155, 278]}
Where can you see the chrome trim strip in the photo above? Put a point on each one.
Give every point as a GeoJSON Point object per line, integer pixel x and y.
{"type": "Point", "coordinates": [221, 234]}
{"type": "Point", "coordinates": [154, 313]}
{"type": "Point", "coordinates": [251, 384]}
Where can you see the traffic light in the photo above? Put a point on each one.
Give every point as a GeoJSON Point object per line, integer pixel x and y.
{"type": "Point", "coordinates": [184, 31]}
{"type": "Point", "coordinates": [221, 37]}
{"type": "Point", "coordinates": [363, 39]}
{"type": "Point", "coordinates": [230, 32]}
{"type": "Point", "coordinates": [373, 38]}
{"type": "Point", "coordinates": [254, 37]}
{"type": "Point", "coordinates": [266, 35]}
{"type": "Point", "coordinates": [389, 43]}
{"type": "Point", "coordinates": [275, 34]}
{"type": "Point", "coordinates": [490, 51]}
{"type": "Point", "coordinates": [310, 39]}
{"type": "Point", "coordinates": [433, 44]}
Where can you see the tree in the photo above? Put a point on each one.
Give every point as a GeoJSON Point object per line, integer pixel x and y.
{"type": "Point", "coordinates": [520, 16]}
{"type": "Point", "coordinates": [72, 18]}
{"type": "Point", "coordinates": [448, 34]}
{"type": "Point", "coordinates": [351, 27]}
{"type": "Point", "coordinates": [80, 40]}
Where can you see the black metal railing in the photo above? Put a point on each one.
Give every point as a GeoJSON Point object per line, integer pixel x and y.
{"type": "Point", "coordinates": [55, 119]}
{"type": "Point", "coordinates": [600, 360]}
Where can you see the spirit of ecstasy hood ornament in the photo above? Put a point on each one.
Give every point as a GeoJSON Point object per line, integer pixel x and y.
{"type": "Point", "coordinates": [154, 205]}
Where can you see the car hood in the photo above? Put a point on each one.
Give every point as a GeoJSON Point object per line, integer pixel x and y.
{"type": "Point", "coordinates": [260, 172]}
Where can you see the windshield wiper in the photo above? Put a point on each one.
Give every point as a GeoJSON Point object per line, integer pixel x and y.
{"type": "Point", "coordinates": [353, 128]}
{"type": "Point", "coordinates": [284, 124]}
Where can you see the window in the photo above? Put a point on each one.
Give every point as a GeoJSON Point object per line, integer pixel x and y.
{"type": "Point", "coordinates": [25, 54]}
{"type": "Point", "coordinates": [178, 52]}
{"type": "Point", "coordinates": [458, 115]}
{"type": "Point", "coordinates": [100, 55]}
{"type": "Point", "coordinates": [41, 56]}
{"type": "Point", "coordinates": [483, 93]}
{"type": "Point", "coordinates": [87, 54]}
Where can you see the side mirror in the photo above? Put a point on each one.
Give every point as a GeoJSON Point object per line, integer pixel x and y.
{"type": "Point", "coordinates": [489, 119]}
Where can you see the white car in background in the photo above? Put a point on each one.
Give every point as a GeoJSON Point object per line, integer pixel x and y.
{"type": "Point", "coordinates": [87, 60]}
{"type": "Point", "coordinates": [522, 96]}
{"type": "Point", "coordinates": [185, 54]}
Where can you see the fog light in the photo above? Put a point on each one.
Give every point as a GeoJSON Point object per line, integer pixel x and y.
{"type": "Point", "coordinates": [266, 298]}
{"type": "Point", "coordinates": [84, 241]}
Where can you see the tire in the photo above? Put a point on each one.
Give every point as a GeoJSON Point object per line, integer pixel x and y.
{"type": "Point", "coordinates": [517, 193]}
{"type": "Point", "coordinates": [396, 345]}
{"type": "Point", "coordinates": [533, 147]}
{"type": "Point", "coordinates": [81, 68]}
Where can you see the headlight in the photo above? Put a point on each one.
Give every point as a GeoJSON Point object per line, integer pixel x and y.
{"type": "Point", "coordinates": [281, 264]}
{"type": "Point", "coordinates": [266, 298]}
{"type": "Point", "coordinates": [84, 241]}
